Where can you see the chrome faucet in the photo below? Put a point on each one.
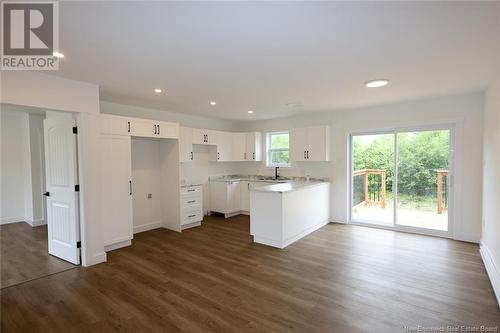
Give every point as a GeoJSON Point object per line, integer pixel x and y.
{"type": "Point", "coordinates": [276, 172]}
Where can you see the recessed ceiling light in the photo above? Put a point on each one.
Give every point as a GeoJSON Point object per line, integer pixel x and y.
{"type": "Point", "coordinates": [213, 103]}
{"type": "Point", "coordinates": [250, 111]}
{"type": "Point", "coordinates": [377, 83]}
{"type": "Point", "coordinates": [158, 91]}
{"type": "Point", "coordinates": [58, 55]}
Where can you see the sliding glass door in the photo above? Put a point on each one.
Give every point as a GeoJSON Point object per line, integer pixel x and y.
{"type": "Point", "coordinates": [400, 179]}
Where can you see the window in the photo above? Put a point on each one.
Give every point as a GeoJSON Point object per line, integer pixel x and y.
{"type": "Point", "coordinates": [278, 149]}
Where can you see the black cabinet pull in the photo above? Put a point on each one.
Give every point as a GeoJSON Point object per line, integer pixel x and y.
{"type": "Point", "coordinates": [128, 124]}
{"type": "Point", "coordinates": [192, 215]}
{"type": "Point", "coordinates": [154, 129]}
{"type": "Point", "coordinates": [308, 154]}
{"type": "Point", "coordinates": [192, 190]}
{"type": "Point", "coordinates": [130, 187]}
{"type": "Point", "coordinates": [158, 129]}
{"type": "Point", "coordinates": [47, 194]}
{"type": "Point", "coordinates": [253, 156]}
{"type": "Point", "coordinates": [191, 156]}
{"type": "Point", "coordinates": [218, 155]}
{"type": "Point", "coordinates": [305, 155]}
{"type": "Point", "coordinates": [244, 156]}
{"type": "Point", "coordinates": [191, 201]}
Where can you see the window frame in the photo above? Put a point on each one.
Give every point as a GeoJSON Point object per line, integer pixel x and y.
{"type": "Point", "coordinates": [270, 150]}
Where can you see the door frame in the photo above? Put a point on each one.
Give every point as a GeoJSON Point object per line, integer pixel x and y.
{"type": "Point", "coordinates": [450, 184]}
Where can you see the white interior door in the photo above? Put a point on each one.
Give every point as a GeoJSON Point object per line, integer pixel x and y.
{"type": "Point", "coordinates": [61, 178]}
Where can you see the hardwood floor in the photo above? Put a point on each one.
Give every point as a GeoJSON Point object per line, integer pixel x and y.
{"type": "Point", "coordinates": [340, 278]}
{"type": "Point", "coordinates": [24, 254]}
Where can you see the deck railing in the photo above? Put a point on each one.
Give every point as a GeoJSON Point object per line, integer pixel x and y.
{"type": "Point", "coordinates": [374, 193]}
{"type": "Point", "coordinates": [442, 192]}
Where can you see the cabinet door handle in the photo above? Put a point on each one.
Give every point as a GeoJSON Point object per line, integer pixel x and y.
{"type": "Point", "coordinates": [128, 124]}
{"type": "Point", "coordinates": [192, 190]}
{"type": "Point", "coordinates": [191, 156]}
{"type": "Point", "coordinates": [207, 138]}
{"type": "Point", "coordinates": [244, 156]}
{"type": "Point", "coordinates": [191, 201]}
{"type": "Point", "coordinates": [158, 129]}
{"type": "Point", "coordinates": [192, 215]}
{"type": "Point", "coordinates": [130, 187]}
{"type": "Point", "coordinates": [305, 155]}
{"type": "Point", "coordinates": [308, 154]}
{"type": "Point", "coordinates": [154, 129]}
{"type": "Point", "coordinates": [218, 155]}
{"type": "Point", "coordinates": [253, 156]}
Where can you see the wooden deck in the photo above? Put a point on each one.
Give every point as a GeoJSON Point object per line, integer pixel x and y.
{"type": "Point", "coordinates": [341, 278]}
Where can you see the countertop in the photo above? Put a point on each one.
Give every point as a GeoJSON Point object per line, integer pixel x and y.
{"type": "Point", "coordinates": [263, 179]}
{"type": "Point", "coordinates": [190, 184]}
{"type": "Point", "coordinates": [288, 186]}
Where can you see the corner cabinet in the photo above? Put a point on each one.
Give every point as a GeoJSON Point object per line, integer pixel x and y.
{"type": "Point", "coordinates": [186, 144]}
{"type": "Point", "coordinates": [310, 144]}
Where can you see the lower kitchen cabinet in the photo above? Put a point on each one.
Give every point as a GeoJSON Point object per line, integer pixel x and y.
{"type": "Point", "coordinates": [191, 206]}
{"type": "Point", "coordinates": [225, 197]}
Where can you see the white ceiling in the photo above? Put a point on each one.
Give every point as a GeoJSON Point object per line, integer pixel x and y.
{"type": "Point", "coordinates": [263, 55]}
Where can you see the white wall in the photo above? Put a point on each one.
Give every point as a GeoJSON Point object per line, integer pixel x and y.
{"type": "Point", "coordinates": [23, 171]}
{"type": "Point", "coordinates": [146, 179]}
{"type": "Point", "coordinates": [15, 166]}
{"type": "Point", "coordinates": [465, 111]}
{"type": "Point", "coordinates": [490, 240]}
{"type": "Point", "coordinates": [34, 89]}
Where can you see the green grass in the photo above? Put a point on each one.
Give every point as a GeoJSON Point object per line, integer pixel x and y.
{"type": "Point", "coordinates": [415, 202]}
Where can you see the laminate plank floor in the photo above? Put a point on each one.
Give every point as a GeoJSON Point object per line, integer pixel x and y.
{"type": "Point", "coordinates": [341, 278]}
{"type": "Point", "coordinates": [24, 254]}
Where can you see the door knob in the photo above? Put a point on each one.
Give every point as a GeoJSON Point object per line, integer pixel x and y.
{"type": "Point", "coordinates": [47, 194]}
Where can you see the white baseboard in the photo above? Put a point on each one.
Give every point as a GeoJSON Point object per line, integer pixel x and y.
{"type": "Point", "coordinates": [37, 223]}
{"type": "Point", "coordinates": [334, 220]}
{"type": "Point", "coordinates": [281, 244]}
{"type": "Point", "coordinates": [146, 227]}
{"type": "Point", "coordinates": [96, 259]}
{"type": "Point", "coordinates": [491, 269]}
{"type": "Point", "coordinates": [7, 220]}
{"type": "Point", "coordinates": [117, 245]}
{"type": "Point", "coordinates": [466, 238]}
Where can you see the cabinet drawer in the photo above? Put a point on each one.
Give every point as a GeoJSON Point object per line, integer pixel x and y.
{"type": "Point", "coordinates": [190, 190]}
{"type": "Point", "coordinates": [190, 200]}
{"type": "Point", "coordinates": [191, 216]}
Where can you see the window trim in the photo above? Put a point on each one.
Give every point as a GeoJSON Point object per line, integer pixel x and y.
{"type": "Point", "coordinates": [269, 164]}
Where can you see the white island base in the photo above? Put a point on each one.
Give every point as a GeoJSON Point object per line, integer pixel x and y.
{"type": "Point", "coordinates": [284, 213]}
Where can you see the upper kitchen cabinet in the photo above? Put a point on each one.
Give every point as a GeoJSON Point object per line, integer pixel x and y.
{"type": "Point", "coordinates": [186, 144]}
{"type": "Point", "coordinates": [253, 146]}
{"type": "Point", "coordinates": [239, 146]}
{"type": "Point", "coordinates": [153, 129]}
{"type": "Point", "coordinates": [117, 125]}
{"type": "Point", "coordinates": [204, 137]}
{"type": "Point", "coordinates": [223, 151]}
{"type": "Point", "coordinates": [310, 144]}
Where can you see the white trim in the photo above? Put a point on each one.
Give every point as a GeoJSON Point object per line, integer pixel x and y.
{"type": "Point", "coordinates": [190, 225]}
{"type": "Point", "coordinates": [8, 220]}
{"type": "Point", "coordinates": [284, 243]}
{"type": "Point", "coordinates": [269, 150]}
{"type": "Point", "coordinates": [37, 223]}
{"type": "Point", "coordinates": [491, 269]}
{"type": "Point", "coordinates": [95, 259]}
{"type": "Point", "coordinates": [148, 226]}
{"type": "Point", "coordinates": [118, 245]}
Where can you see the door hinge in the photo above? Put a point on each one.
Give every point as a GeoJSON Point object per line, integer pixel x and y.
{"type": "Point", "coordinates": [75, 130]}
{"type": "Point", "coordinates": [78, 244]}
{"type": "Point", "coordinates": [77, 188]}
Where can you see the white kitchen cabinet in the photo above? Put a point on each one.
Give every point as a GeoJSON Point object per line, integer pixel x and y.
{"type": "Point", "coordinates": [116, 185]}
{"type": "Point", "coordinates": [253, 146]}
{"type": "Point", "coordinates": [167, 130]}
{"type": "Point", "coordinates": [225, 197]}
{"type": "Point", "coordinates": [191, 206]}
{"type": "Point", "coordinates": [224, 147]}
{"type": "Point", "coordinates": [239, 146]}
{"type": "Point", "coordinates": [186, 144]}
{"type": "Point", "coordinates": [245, 196]}
{"type": "Point", "coordinates": [310, 144]}
{"type": "Point", "coordinates": [203, 136]}
{"type": "Point", "coordinates": [153, 129]}
{"type": "Point", "coordinates": [110, 124]}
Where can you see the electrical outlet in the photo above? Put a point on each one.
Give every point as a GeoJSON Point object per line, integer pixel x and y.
{"type": "Point", "coordinates": [150, 195]}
